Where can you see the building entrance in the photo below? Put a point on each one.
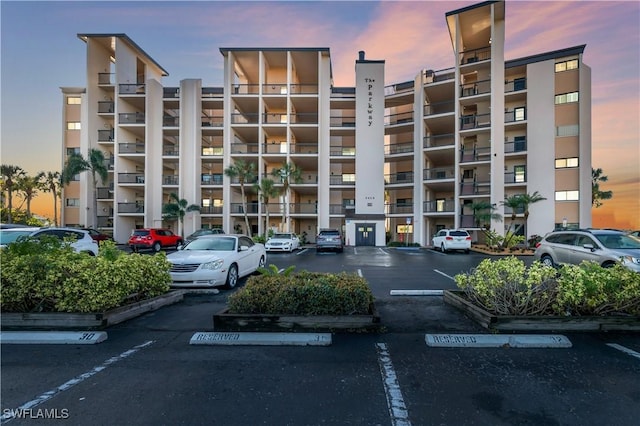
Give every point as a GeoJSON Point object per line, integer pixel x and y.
{"type": "Point", "coordinates": [365, 234]}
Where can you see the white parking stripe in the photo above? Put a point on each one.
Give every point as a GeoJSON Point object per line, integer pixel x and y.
{"type": "Point", "coordinates": [397, 409]}
{"type": "Point", "coordinates": [625, 350]}
{"type": "Point", "coordinates": [301, 251]}
{"type": "Point", "coordinates": [442, 273]}
{"type": "Point", "coordinates": [8, 415]}
{"type": "Point", "coordinates": [360, 273]}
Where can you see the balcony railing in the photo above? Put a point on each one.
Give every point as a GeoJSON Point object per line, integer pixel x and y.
{"type": "Point", "coordinates": [431, 76]}
{"type": "Point", "coordinates": [105, 222]}
{"type": "Point", "coordinates": [131, 89]}
{"type": "Point", "coordinates": [475, 154]}
{"type": "Point", "coordinates": [439, 206]}
{"type": "Point", "coordinates": [403, 208]}
{"type": "Point", "coordinates": [515, 85]}
{"type": "Point", "coordinates": [170, 121]}
{"type": "Point", "coordinates": [170, 180]}
{"type": "Point", "coordinates": [303, 208]}
{"type": "Point", "coordinates": [473, 121]}
{"type": "Point", "coordinates": [348, 179]}
{"type": "Point", "coordinates": [438, 173]}
{"type": "Point", "coordinates": [400, 118]}
{"type": "Point", "coordinates": [475, 55]}
{"type": "Point", "coordinates": [517, 114]}
{"type": "Point", "coordinates": [274, 89]}
{"type": "Point", "coordinates": [211, 210]}
{"type": "Point", "coordinates": [393, 89]}
{"type": "Point", "coordinates": [476, 88]}
{"type": "Point", "coordinates": [304, 148]}
{"type": "Point", "coordinates": [211, 179]}
{"type": "Point", "coordinates": [240, 118]}
{"type": "Point", "coordinates": [469, 221]}
{"type": "Point", "coordinates": [171, 92]}
{"type": "Point", "coordinates": [342, 121]}
{"type": "Point", "coordinates": [438, 141]}
{"type": "Point", "coordinates": [137, 207]}
{"type": "Point", "coordinates": [246, 89]}
{"type": "Point", "coordinates": [515, 146]}
{"type": "Point", "coordinates": [398, 148]}
{"type": "Point", "coordinates": [398, 178]}
{"type": "Point", "coordinates": [131, 178]}
{"type": "Point", "coordinates": [236, 180]}
{"type": "Point", "coordinates": [131, 148]}
{"type": "Point", "coordinates": [105, 107]}
{"type": "Point", "coordinates": [237, 208]}
{"type": "Point", "coordinates": [439, 108]}
{"type": "Point", "coordinates": [214, 121]}
{"type": "Point", "coordinates": [513, 177]}
{"type": "Point", "coordinates": [106, 78]}
{"type": "Point", "coordinates": [212, 92]}
{"type": "Point", "coordinates": [510, 210]}
{"type": "Point", "coordinates": [104, 193]}
{"type": "Point", "coordinates": [105, 135]}
{"type": "Point", "coordinates": [340, 208]}
{"type": "Point", "coordinates": [304, 89]}
{"type": "Point", "coordinates": [342, 151]}
{"type": "Point", "coordinates": [131, 118]}
{"type": "Point", "coordinates": [475, 188]}
{"type": "Point", "coordinates": [244, 148]}
{"type": "Point", "coordinates": [170, 151]}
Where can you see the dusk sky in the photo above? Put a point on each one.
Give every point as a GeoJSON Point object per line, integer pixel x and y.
{"type": "Point", "coordinates": [40, 53]}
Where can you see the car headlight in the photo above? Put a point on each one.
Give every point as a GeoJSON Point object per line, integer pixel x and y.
{"type": "Point", "coordinates": [216, 264]}
{"type": "Point", "coordinates": [630, 259]}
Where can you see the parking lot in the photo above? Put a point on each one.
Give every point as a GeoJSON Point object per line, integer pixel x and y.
{"type": "Point", "coordinates": [147, 373]}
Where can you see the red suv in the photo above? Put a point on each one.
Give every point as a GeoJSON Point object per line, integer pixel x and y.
{"type": "Point", "coordinates": [153, 238]}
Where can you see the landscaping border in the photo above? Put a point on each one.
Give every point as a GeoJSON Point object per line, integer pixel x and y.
{"type": "Point", "coordinates": [88, 321]}
{"type": "Point", "coordinates": [542, 322]}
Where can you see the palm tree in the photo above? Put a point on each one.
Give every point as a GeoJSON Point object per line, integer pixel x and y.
{"type": "Point", "coordinates": [28, 186]}
{"type": "Point", "coordinates": [53, 183]}
{"type": "Point", "coordinates": [288, 173]}
{"type": "Point", "coordinates": [266, 190]}
{"type": "Point", "coordinates": [484, 213]}
{"type": "Point", "coordinates": [245, 172]}
{"type": "Point", "coordinates": [527, 199]}
{"type": "Point", "coordinates": [176, 209]}
{"type": "Point", "coordinates": [9, 176]}
{"type": "Point", "coordinates": [96, 165]}
{"type": "Point", "coordinates": [597, 196]}
{"type": "Point", "coordinates": [514, 203]}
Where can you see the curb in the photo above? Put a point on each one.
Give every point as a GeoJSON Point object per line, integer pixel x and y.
{"type": "Point", "coordinates": [263, 339]}
{"type": "Point", "coordinates": [52, 337]}
{"type": "Point", "coordinates": [497, 341]}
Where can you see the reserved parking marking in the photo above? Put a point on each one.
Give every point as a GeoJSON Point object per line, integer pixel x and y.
{"type": "Point", "coordinates": [8, 416]}
{"type": "Point", "coordinates": [625, 350]}
{"type": "Point", "coordinates": [395, 401]}
{"type": "Point", "coordinates": [497, 341]}
{"type": "Point", "coordinates": [261, 339]}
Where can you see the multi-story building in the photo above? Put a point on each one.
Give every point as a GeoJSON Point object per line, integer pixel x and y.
{"type": "Point", "coordinates": [405, 159]}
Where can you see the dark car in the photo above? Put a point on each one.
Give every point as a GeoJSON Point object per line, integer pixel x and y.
{"type": "Point", "coordinates": [203, 231]}
{"type": "Point", "coordinates": [97, 235]}
{"type": "Point", "coordinates": [154, 239]}
{"type": "Point", "coordinates": [329, 239]}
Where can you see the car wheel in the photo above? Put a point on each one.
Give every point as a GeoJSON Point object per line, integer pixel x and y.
{"type": "Point", "coordinates": [547, 260]}
{"type": "Point", "coordinates": [157, 246]}
{"type": "Point", "coordinates": [608, 264]}
{"type": "Point", "coordinates": [179, 243]}
{"type": "Point", "coordinates": [232, 277]}
{"type": "Point", "coordinates": [442, 248]}
{"type": "Point", "coordinates": [262, 262]}
{"type": "Point", "coordinates": [466, 251]}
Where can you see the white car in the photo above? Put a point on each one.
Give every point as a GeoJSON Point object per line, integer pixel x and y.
{"type": "Point", "coordinates": [452, 239]}
{"type": "Point", "coordinates": [286, 241]}
{"type": "Point", "coordinates": [83, 243]}
{"type": "Point", "coordinates": [216, 260]}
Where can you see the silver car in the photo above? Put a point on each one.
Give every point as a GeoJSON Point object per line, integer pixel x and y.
{"type": "Point", "coordinates": [603, 246]}
{"type": "Point", "coordinates": [82, 240]}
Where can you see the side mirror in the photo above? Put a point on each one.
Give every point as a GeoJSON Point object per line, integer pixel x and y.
{"type": "Point", "coordinates": [243, 248]}
{"type": "Point", "coordinates": [589, 247]}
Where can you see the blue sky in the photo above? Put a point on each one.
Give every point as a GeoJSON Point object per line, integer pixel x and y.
{"type": "Point", "coordinates": [40, 53]}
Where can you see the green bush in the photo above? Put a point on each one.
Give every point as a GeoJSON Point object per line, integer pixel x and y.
{"type": "Point", "coordinates": [303, 293]}
{"type": "Point", "coordinates": [54, 278]}
{"type": "Point", "coordinates": [507, 287]}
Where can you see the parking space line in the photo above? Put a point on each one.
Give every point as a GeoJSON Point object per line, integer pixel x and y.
{"type": "Point", "coordinates": [397, 408]}
{"type": "Point", "coordinates": [625, 350]}
{"type": "Point", "coordinates": [360, 273]}
{"type": "Point", "coordinates": [442, 273]}
{"type": "Point", "coordinates": [301, 251]}
{"type": "Point", "coordinates": [9, 415]}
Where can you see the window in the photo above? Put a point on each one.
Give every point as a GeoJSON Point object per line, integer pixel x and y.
{"type": "Point", "coordinates": [570, 130]}
{"type": "Point", "coordinates": [72, 202]}
{"type": "Point", "coordinates": [566, 98]}
{"type": "Point", "coordinates": [404, 202]}
{"type": "Point", "coordinates": [440, 204]}
{"type": "Point", "coordinates": [74, 100]}
{"type": "Point", "coordinates": [564, 163]}
{"type": "Point", "coordinates": [567, 65]}
{"type": "Point", "coordinates": [348, 202]}
{"type": "Point", "coordinates": [73, 125]}
{"type": "Point", "coordinates": [206, 202]}
{"type": "Point", "coordinates": [349, 177]}
{"type": "Point", "coordinates": [71, 151]}
{"type": "Point", "coordinates": [519, 174]}
{"type": "Point", "coordinates": [519, 114]}
{"type": "Point", "coordinates": [567, 195]}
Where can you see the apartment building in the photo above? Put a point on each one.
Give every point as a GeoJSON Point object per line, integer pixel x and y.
{"type": "Point", "coordinates": [376, 161]}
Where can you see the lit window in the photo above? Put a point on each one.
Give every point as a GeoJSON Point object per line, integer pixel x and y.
{"type": "Point", "coordinates": [349, 177]}
{"type": "Point", "coordinates": [72, 202]}
{"type": "Point", "coordinates": [206, 202]}
{"type": "Point", "coordinates": [570, 130]}
{"type": "Point", "coordinates": [567, 65]}
{"type": "Point", "coordinates": [567, 195]}
{"type": "Point", "coordinates": [519, 114]}
{"type": "Point", "coordinates": [520, 174]}
{"type": "Point", "coordinates": [567, 98]}
{"type": "Point", "coordinates": [563, 163]}
{"type": "Point", "coordinates": [73, 125]}
{"type": "Point", "coordinates": [74, 100]}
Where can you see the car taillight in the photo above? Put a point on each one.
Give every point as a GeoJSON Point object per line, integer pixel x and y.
{"type": "Point", "coordinates": [148, 237]}
{"type": "Point", "coordinates": [468, 238]}
{"type": "Point", "coordinates": [537, 244]}
{"type": "Point", "coordinates": [449, 238]}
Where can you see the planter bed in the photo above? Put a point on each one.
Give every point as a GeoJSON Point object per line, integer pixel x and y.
{"type": "Point", "coordinates": [540, 323]}
{"type": "Point", "coordinates": [224, 321]}
{"type": "Point", "coordinates": [88, 321]}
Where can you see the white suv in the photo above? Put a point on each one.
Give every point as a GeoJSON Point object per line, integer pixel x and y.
{"type": "Point", "coordinates": [83, 242]}
{"type": "Point", "coordinates": [452, 239]}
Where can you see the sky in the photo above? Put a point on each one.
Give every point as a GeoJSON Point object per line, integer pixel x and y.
{"type": "Point", "coordinates": [40, 53]}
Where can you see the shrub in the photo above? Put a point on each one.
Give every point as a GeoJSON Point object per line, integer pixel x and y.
{"type": "Point", "coordinates": [54, 278]}
{"type": "Point", "coordinates": [303, 293]}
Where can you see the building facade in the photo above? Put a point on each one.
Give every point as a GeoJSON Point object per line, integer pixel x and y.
{"type": "Point", "coordinates": [378, 161]}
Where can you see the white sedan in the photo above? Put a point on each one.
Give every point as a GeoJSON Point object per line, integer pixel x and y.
{"type": "Point", "coordinates": [216, 260]}
{"type": "Point", "coordinates": [286, 241]}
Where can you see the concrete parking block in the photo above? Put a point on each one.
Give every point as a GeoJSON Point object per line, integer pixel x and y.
{"type": "Point", "coordinates": [416, 292]}
{"type": "Point", "coordinates": [52, 337]}
{"type": "Point", "coordinates": [497, 341]}
{"type": "Point", "coordinates": [264, 339]}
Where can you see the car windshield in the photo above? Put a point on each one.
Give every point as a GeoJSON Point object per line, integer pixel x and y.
{"type": "Point", "coordinates": [330, 233]}
{"type": "Point", "coordinates": [140, 233]}
{"type": "Point", "coordinates": [214, 244]}
{"type": "Point", "coordinates": [282, 236]}
{"type": "Point", "coordinates": [459, 234]}
{"type": "Point", "coordinates": [10, 237]}
{"type": "Point", "coordinates": [618, 241]}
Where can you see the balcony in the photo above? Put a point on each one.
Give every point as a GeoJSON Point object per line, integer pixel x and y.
{"type": "Point", "coordinates": [171, 92]}
{"type": "Point", "coordinates": [439, 173]}
{"type": "Point", "coordinates": [431, 76]}
{"type": "Point", "coordinates": [241, 118]}
{"type": "Point", "coordinates": [303, 208]}
{"type": "Point", "coordinates": [439, 141]}
{"type": "Point", "coordinates": [137, 207]}
{"type": "Point", "coordinates": [518, 145]}
{"type": "Point", "coordinates": [342, 151]}
{"type": "Point", "coordinates": [346, 179]}
{"type": "Point", "coordinates": [131, 89]}
{"type": "Point", "coordinates": [212, 151]}
{"type": "Point", "coordinates": [304, 148]}
{"type": "Point", "coordinates": [400, 118]}
{"type": "Point", "coordinates": [236, 180]}
{"type": "Point", "coordinates": [439, 206]}
{"type": "Point", "coordinates": [170, 121]}
{"type": "Point", "coordinates": [105, 222]}
{"type": "Point", "coordinates": [131, 147]}
{"type": "Point", "coordinates": [398, 148]}
{"type": "Point", "coordinates": [106, 78]}
{"type": "Point", "coordinates": [244, 148]}
{"type": "Point", "coordinates": [105, 107]}
{"type": "Point", "coordinates": [214, 121]}
{"type": "Point", "coordinates": [211, 179]}
{"type": "Point", "coordinates": [212, 92]}
{"type": "Point", "coordinates": [137, 178]}
{"type": "Point", "coordinates": [519, 177]}
{"type": "Point", "coordinates": [475, 154]}
{"type": "Point", "coordinates": [304, 89]}
{"type": "Point", "coordinates": [105, 135]}
{"type": "Point", "coordinates": [399, 208]}
{"type": "Point", "coordinates": [131, 118]}
{"type": "Point", "coordinates": [517, 114]}
{"type": "Point", "coordinates": [170, 180]}
{"type": "Point", "coordinates": [475, 55]}
{"type": "Point", "coordinates": [211, 210]}
{"type": "Point", "coordinates": [437, 108]}
{"type": "Point", "coordinates": [475, 188]}
{"type": "Point", "coordinates": [474, 121]}
{"type": "Point", "coordinates": [237, 208]}
{"type": "Point", "coordinates": [274, 89]}
{"type": "Point", "coordinates": [476, 88]}
{"type": "Point", "coordinates": [340, 209]}
{"type": "Point", "coordinates": [342, 121]}
{"type": "Point", "coordinates": [399, 178]}
{"type": "Point", "coordinates": [104, 193]}
{"type": "Point", "coordinates": [246, 89]}
{"type": "Point", "coordinates": [395, 89]}
{"type": "Point", "coordinates": [170, 151]}
{"type": "Point", "coordinates": [515, 85]}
